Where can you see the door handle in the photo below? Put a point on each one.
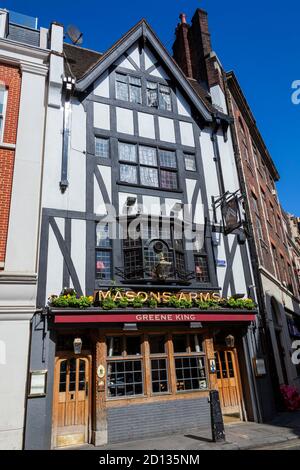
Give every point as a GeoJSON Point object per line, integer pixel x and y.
{"type": "Point", "coordinates": [86, 389]}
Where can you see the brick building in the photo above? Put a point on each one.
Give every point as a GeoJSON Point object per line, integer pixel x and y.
{"type": "Point", "coordinates": [271, 247]}
{"type": "Point", "coordinates": [10, 88]}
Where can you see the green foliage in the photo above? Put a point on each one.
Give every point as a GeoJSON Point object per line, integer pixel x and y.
{"type": "Point", "coordinates": [137, 302]}
{"type": "Point", "coordinates": [123, 303]}
{"type": "Point", "coordinates": [71, 301]}
{"type": "Point", "coordinates": [108, 304]}
{"type": "Point", "coordinates": [152, 303]}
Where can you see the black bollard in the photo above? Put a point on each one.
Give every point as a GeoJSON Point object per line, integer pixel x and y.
{"type": "Point", "coordinates": [217, 424]}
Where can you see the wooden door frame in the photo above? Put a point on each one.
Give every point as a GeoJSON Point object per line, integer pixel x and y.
{"type": "Point", "coordinates": [65, 355]}
{"type": "Point", "coordinates": [236, 366]}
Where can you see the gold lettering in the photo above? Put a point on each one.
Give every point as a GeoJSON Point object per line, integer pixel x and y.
{"type": "Point", "coordinates": [130, 295]}
{"type": "Point", "coordinates": [166, 296]}
{"type": "Point", "coordinates": [156, 296]}
{"type": "Point", "coordinates": [204, 297]}
{"type": "Point", "coordinates": [183, 296]}
{"type": "Point", "coordinates": [216, 296]}
{"type": "Point", "coordinates": [193, 295]}
{"type": "Point", "coordinates": [143, 295]}
{"type": "Point", "coordinates": [104, 295]}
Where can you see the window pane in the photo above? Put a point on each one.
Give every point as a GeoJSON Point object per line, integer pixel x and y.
{"type": "Point", "coordinates": [121, 87]}
{"type": "Point", "coordinates": [102, 147]}
{"type": "Point", "coordinates": [63, 376]}
{"type": "Point", "coordinates": [127, 152]}
{"type": "Point", "coordinates": [149, 177]}
{"type": "Point", "coordinates": [179, 343]}
{"type": "Point", "coordinates": [168, 179]}
{"type": "Point", "coordinates": [190, 373]}
{"type": "Point", "coordinates": [190, 162]}
{"type": "Point", "coordinates": [157, 344]}
{"type": "Point", "coordinates": [133, 345]}
{"type": "Point", "coordinates": [147, 156]}
{"type": "Point", "coordinates": [135, 90]}
{"type": "Point", "coordinates": [167, 159]}
{"type": "Point", "coordinates": [2, 96]}
{"type": "Point", "coordinates": [159, 376]}
{"type": "Point", "coordinates": [114, 346]}
{"type": "Point", "coordinates": [102, 235]}
{"type": "Point", "coordinates": [124, 378]}
{"type": "Point", "coordinates": [201, 269]}
{"type": "Point", "coordinates": [103, 264]}
{"type": "Point", "coordinates": [128, 174]}
{"type": "Point", "coordinates": [152, 94]}
{"type": "Point", "coordinates": [72, 375]}
{"type": "Point", "coordinates": [196, 343]}
{"type": "Point", "coordinates": [165, 98]}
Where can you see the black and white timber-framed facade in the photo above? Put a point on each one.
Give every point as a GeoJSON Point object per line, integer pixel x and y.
{"type": "Point", "coordinates": [132, 135]}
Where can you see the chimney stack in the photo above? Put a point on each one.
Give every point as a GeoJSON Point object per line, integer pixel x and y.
{"type": "Point", "coordinates": [181, 47]}
{"type": "Point", "coordinates": [192, 51]}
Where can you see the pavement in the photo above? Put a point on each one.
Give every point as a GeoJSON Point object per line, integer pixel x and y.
{"type": "Point", "coordinates": [282, 433]}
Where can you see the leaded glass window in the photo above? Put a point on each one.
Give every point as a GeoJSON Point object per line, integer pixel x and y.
{"type": "Point", "coordinates": [101, 147]}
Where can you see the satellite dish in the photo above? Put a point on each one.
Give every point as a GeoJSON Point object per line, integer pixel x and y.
{"type": "Point", "coordinates": [74, 34]}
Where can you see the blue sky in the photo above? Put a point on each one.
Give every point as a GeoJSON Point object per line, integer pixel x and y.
{"type": "Point", "coordinates": [258, 39]}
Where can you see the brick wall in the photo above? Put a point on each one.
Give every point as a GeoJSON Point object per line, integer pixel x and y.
{"type": "Point", "coordinates": [157, 419]}
{"type": "Point", "coordinates": [9, 77]}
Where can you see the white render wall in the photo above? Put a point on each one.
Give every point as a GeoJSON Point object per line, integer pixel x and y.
{"type": "Point", "coordinates": [14, 334]}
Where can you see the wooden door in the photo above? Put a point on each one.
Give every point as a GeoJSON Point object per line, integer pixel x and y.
{"type": "Point", "coordinates": [71, 401]}
{"type": "Point", "coordinates": [228, 382]}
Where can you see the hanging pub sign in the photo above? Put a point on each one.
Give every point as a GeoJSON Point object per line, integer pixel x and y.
{"type": "Point", "coordinates": [231, 215]}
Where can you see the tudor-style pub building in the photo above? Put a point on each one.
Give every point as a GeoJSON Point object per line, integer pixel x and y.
{"type": "Point", "coordinates": [165, 322]}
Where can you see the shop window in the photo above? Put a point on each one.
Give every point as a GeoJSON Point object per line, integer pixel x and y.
{"type": "Point", "coordinates": [124, 370]}
{"type": "Point", "coordinates": [190, 373]}
{"type": "Point", "coordinates": [126, 358]}
{"type": "Point", "coordinates": [159, 364]}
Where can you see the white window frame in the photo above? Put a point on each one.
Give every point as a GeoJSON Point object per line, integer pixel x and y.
{"type": "Point", "coordinates": [3, 115]}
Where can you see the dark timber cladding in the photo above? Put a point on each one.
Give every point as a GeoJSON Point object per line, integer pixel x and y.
{"type": "Point", "coordinates": [120, 369]}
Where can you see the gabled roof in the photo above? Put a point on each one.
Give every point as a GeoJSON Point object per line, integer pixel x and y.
{"type": "Point", "coordinates": [88, 65]}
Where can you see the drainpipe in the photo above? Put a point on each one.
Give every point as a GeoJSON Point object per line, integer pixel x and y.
{"type": "Point", "coordinates": [68, 90]}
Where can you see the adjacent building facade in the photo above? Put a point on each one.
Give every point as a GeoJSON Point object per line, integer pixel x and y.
{"type": "Point", "coordinates": [271, 251]}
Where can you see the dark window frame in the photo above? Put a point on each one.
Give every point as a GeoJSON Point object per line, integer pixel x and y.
{"type": "Point", "coordinates": [159, 167]}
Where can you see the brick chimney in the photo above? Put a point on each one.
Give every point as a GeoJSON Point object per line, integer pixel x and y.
{"type": "Point", "coordinates": [193, 51]}
{"type": "Point", "coordinates": [181, 47]}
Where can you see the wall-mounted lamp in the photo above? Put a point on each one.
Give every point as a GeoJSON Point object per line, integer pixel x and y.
{"type": "Point", "coordinates": [77, 344]}
{"type": "Point", "coordinates": [230, 341]}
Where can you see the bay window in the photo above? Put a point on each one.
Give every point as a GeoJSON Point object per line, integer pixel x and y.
{"type": "Point", "coordinates": [148, 166]}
